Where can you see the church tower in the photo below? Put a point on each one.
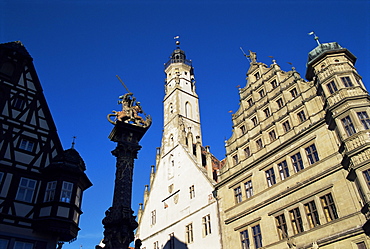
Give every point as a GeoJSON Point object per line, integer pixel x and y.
{"type": "Point", "coordinates": [179, 210]}
{"type": "Point", "coordinates": [181, 106]}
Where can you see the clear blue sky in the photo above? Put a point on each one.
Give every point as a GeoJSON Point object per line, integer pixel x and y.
{"type": "Point", "coordinates": [79, 46]}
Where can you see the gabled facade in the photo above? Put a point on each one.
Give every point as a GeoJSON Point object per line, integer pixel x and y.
{"type": "Point", "coordinates": [41, 185]}
{"type": "Point", "coordinates": [179, 208]}
{"type": "Point", "coordinates": [297, 170]}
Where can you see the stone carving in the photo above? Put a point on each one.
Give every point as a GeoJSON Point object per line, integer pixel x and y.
{"type": "Point", "coordinates": [130, 112]}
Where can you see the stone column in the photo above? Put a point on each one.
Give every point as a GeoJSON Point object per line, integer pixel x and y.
{"type": "Point", "coordinates": [119, 222]}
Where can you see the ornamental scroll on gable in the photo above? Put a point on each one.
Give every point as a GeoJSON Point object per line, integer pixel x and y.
{"type": "Point", "coordinates": [130, 112]}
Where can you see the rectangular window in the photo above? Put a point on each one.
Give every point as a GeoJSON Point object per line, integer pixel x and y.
{"type": "Point", "coordinates": [366, 174]}
{"type": "Point", "coordinates": [259, 144]}
{"type": "Point", "coordinates": [281, 226]}
{"type": "Point", "coordinates": [328, 205]}
{"type": "Point", "coordinates": [267, 112]}
{"type": "Point", "coordinates": [295, 217]}
{"type": "Point", "coordinates": [262, 93]}
{"type": "Point", "coordinates": [235, 159]}
{"type": "Point", "coordinates": [26, 145]}
{"type": "Point", "coordinates": [238, 194]}
{"type": "Point", "coordinates": [192, 192]}
{"type": "Point", "coordinates": [270, 177]}
{"type": "Point", "coordinates": [257, 236]}
{"type": "Point", "coordinates": [294, 93]}
{"type": "Point", "coordinates": [247, 152]}
{"type": "Point", "coordinates": [312, 215]}
{"type": "Point", "coordinates": [312, 154]}
{"type": "Point", "coordinates": [332, 87]}
{"type": "Point", "coordinates": [242, 128]}
{"type": "Point", "coordinates": [283, 170]}
{"type": "Point", "coordinates": [254, 120]}
{"type": "Point", "coordinates": [348, 126]}
{"type": "Point", "coordinates": [257, 75]}
{"type": "Point", "coordinates": [66, 194]}
{"type": "Point", "coordinates": [206, 221]}
{"type": "Point", "coordinates": [286, 126]}
{"type": "Point", "coordinates": [153, 217]}
{"type": "Point", "coordinates": [248, 189]}
{"type": "Point", "coordinates": [274, 84]}
{"type": "Point", "coordinates": [250, 102]}
{"type": "Point", "coordinates": [189, 233]}
{"type": "Point", "coordinates": [26, 189]}
{"type": "Point", "coordinates": [364, 118]}
{"type": "Point", "coordinates": [244, 238]}
{"type": "Point", "coordinates": [272, 135]}
{"type": "Point", "coordinates": [297, 162]}
{"type": "Point", "coordinates": [22, 245]}
{"type": "Point", "coordinates": [50, 191]}
{"type": "Point", "coordinates": [301, 116]}
{"type": "Point", "coordinates": [346, 81]}
{"type": "Point", "coordinates": [280, 103]}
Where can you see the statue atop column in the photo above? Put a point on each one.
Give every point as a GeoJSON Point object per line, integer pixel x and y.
{"type": "Point", "coordinates": [129, 127]}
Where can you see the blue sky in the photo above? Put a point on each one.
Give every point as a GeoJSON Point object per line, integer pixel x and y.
{"type": "Point", "coordinates": [79, 46]}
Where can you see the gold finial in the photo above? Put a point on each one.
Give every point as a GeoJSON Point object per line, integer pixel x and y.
{"type": "Point", "coordinates": [177, 40]}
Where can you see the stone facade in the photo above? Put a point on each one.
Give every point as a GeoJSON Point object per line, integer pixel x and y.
{"type": "Point", "coordinates": [179, 209]}
{"type": "Point", "coordinates": [297, 164]}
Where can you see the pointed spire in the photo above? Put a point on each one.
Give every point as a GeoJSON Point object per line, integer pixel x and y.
{"type": "Point", "coordinates": [73, 142]}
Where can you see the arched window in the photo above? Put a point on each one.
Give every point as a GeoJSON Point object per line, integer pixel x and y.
{"type": "Point", "coordinates": [188, 113]}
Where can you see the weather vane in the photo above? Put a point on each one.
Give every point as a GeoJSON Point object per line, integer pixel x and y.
{"type": "Point", "coordinates": [315, 37]}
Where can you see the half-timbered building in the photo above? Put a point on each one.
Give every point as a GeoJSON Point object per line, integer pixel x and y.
{"type": "Point", "coordinates": [41, 184]}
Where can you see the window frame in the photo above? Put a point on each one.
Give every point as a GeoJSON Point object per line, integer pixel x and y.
{"type": "Point", "coordinates": [189, 236]}
{"type": "Point", "coordinates": [332, 87]}
{"type": "Point", "coordinates": [348, 125]}
{"type": "Point", "coordinates": [296, 220]}
{"type": "Point", "coordinates": [301, 116]}
{"type": "Point", "coordinates": [238, 194]}
{"type": "Point", "coordinates": [312, 154]}
{"type": "Point", "coordinates": [312, 214]}
{"type": "Point", "coordinates": [329, 208]}
{"type": "Point", "coordinates": [280, 102]}
{"type": "Point", "coordinates": [281, 226]}
{"type": "Point", "coordinates": [347, 82]}
{"type": "Point", "coordinates": [248, 188]}
{"type": "Point", "coordinates": [50, 191]}
{"type": "Point", "coordinates": [257, 236]}
{"type": "Point", "coordinates": [29, 191]}
{"type": "Point", "coordinates": [297, 165]}
{"type": "Point", "coordinates": [364, 118]}
{"type": "Point", "coordinates": [286, 126]}
{"type": "Point", "coordinates": [283, 170]}
{"type": "Point", "coordinates": [270, 177]}
{"type": "Point", "coordinates": [206, 224]}
{"type": "Point", "coordinates": [66, 192]}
